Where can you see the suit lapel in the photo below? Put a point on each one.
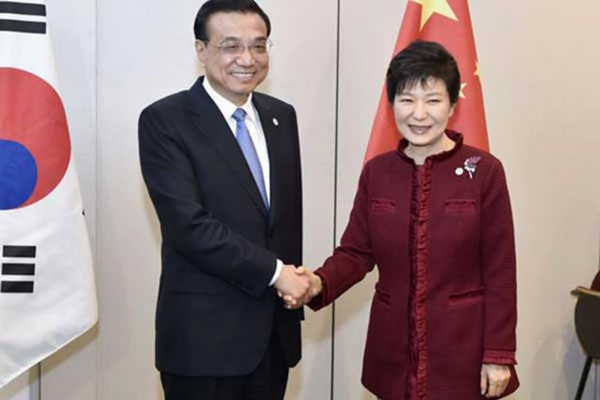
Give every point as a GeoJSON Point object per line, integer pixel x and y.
{"type": "Point", "coordinates": [271, 128]}
{"type": "Point", "coordinates": [210, 122]}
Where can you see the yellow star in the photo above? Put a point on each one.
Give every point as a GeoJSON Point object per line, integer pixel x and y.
{"type": "Point", "coordinates": [477, 70]}
{"type": "Point", "coordinates": [461, 94]}
{"type": "Point", "coordinates": [430, 7]}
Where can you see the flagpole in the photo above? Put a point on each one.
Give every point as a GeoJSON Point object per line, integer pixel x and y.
{"type": "Point", "coordinates": [36, 381]}
{"type": "Point", "coordinates": [39, 382]}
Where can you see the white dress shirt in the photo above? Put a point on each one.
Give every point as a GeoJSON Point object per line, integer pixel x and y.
{"type": "Point", "coordinates": [257, 135]}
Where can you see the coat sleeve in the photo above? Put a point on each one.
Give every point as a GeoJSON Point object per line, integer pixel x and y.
{"type": "Point", "coordinates": [353, 258]}
{"type": "Point", "coordinates": [499, 270]}
{"type": "Point", "coordinates": [186, 225]}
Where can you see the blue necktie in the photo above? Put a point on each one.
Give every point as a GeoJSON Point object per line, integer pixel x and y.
{"type": "Point", "coordinates": [245, 141]}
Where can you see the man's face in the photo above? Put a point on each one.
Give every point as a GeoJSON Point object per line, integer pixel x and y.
{"type": "Point", "coordinates": [232, 71]}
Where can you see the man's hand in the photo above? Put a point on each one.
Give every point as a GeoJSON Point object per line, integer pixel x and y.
{"type": "Point", "coordinates": [494, 379]}
{"type": "Point", "coordinates": [315, 288]}
{"type": "Point", "coordinates": [293, 287]}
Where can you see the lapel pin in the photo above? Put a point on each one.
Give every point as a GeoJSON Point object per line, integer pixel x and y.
{"type": "Point", "coordinates": [470, 166]}
{"type": "Point", "coordinates": [275, 122]}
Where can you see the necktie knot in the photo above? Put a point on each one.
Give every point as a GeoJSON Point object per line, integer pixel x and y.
{"type": "Point", "coordinates": [239, 115]}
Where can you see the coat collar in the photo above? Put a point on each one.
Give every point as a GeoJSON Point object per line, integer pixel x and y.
{"type": "Point", "coordinates": [456, 137]}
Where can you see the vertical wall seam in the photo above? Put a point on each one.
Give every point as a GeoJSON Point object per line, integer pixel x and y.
{"type": "Point", "coordinates": [335, 185]}
{"type": "Point", "coordinates": [96, 197]}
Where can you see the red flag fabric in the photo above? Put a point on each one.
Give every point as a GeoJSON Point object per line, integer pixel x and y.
{"type": "Point", "coordinates": [447, 22]}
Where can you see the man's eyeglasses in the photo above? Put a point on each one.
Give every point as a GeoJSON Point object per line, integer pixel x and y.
{"type": "Point", "coordinates": [234, 47]}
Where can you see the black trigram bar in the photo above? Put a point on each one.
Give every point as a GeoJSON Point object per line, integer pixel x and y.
{"type": "Point", "coordinates": [18, 251]}
{"type": "Point", "coordinates": [22, 8]}
{"type": "Point", "coordinates": [9, 25]}
{"type": "Point", "coordinates": [18, 269]}
{"type": "Point", "coordinates": [16, 287]}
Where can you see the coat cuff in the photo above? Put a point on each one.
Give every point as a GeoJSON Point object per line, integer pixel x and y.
{"type": "Point", "coordinates": [320, 300]}
{"type": "Point", "coordinates": [499, 357]}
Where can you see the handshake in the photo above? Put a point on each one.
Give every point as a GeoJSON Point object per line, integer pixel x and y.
{"type": "Point", "coordinates": [297, 286]}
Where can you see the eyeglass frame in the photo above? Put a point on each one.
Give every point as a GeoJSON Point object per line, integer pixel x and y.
{"type": "Point", "coordinates": [242, 47]}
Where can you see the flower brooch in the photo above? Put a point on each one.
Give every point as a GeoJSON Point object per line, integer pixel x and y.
{"type": "Point", "coordinates": [470, 166]}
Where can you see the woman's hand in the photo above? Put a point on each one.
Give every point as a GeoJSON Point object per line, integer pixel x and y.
{"type": "Point", "coordinates": [494, 379]}
{"type": "Point", "coordinates": [315, 289]}
{"type": "Point", "coordinates": [316, 286]}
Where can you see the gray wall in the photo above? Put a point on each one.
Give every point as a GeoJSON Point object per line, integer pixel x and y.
{"type": "Point", "coordinates": [538, 69]}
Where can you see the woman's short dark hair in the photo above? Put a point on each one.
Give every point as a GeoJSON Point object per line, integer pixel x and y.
{"type": "Point", "coordinates": [417, 63]}
{"type": "Point", "coordinates": [215, 6]}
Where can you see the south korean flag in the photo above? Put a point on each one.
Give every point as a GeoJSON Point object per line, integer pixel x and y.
{"type": "Point", "coordinates": [47, 290]}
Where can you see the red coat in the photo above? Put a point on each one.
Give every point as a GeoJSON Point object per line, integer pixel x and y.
{"type": "Point", "coordinates": [442, 238]}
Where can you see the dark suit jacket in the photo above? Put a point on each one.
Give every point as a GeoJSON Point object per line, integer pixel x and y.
{"type": "Point", "coordinates": [215, 310]}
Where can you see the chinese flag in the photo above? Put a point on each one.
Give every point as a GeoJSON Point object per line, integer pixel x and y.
{"type": "Point", "coordinates": [448, 23]}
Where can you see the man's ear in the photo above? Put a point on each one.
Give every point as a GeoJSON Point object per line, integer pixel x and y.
{"type": "Point", "coordinates": [200, 51]}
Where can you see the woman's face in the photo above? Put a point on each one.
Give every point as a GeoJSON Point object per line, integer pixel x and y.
{"type": "Point", "coordinates": [422, 113]}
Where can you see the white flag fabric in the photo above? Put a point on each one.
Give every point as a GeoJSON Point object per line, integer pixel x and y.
{"type": "Point", "coordinates": [47, 290]}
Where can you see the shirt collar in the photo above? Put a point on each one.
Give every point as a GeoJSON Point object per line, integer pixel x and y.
{"type": "Point", "coordinates": [226, 107]}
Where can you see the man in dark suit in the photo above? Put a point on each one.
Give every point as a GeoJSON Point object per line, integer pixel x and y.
{"type": "Point", "coordinates": [222, 166]}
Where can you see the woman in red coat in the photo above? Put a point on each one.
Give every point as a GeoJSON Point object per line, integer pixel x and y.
{"type": "Point", "coordinates": [435, 218]}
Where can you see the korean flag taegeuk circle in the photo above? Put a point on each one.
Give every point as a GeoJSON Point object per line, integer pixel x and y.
{"type": "Point", "coordinates": [34, 139]}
